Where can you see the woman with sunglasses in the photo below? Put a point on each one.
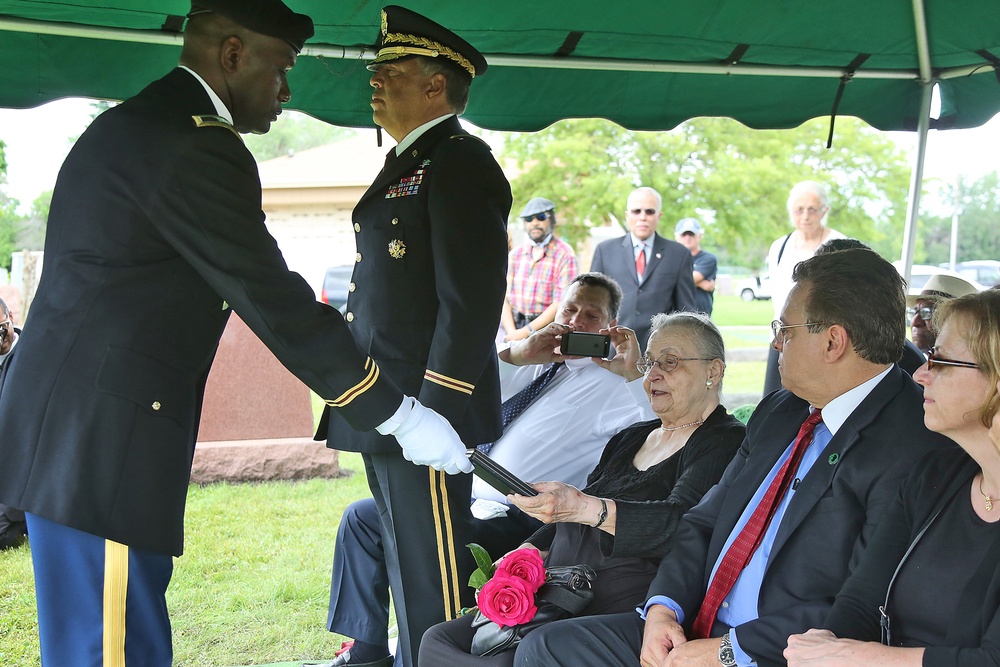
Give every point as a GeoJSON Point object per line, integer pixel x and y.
{"type": "Point", "coordinates": [927, 589]}
{"type": "Point", "coordinates": [622, 522]}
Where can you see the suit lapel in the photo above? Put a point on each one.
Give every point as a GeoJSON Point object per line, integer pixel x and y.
{"type": "Point", "coordinates": [777, 430]}
{"type": "Point", "coordinates": [820, 476]}
{"type": "Point", "coordinates": [655, 255]}
{"type": "Point", "coordinates": [628, 258]}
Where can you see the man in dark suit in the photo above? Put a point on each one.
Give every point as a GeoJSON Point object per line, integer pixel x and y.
{"type": "Point", "coordinates": [13, 527]}
{"type": "Point", "coordinates": [154, 233]}
{"type": "Point", "coordinates": [765, 552]}
{"type": "Point", "coordinates": [655, 273]}
{"type": "Point", "coordinates": [425, 302]}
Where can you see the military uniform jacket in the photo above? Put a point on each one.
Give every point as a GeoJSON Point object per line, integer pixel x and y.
{"type": "Point", "coordinates": [429, 282]}
{"type": "Point", "coordinates": [155, 231]}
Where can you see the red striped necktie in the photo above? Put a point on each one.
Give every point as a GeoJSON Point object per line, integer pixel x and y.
{"type": "Point", "coordinates": [746, 543]}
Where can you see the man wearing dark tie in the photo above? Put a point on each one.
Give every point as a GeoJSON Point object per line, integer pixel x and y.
{"type": "Point", "coordinates": [655, 273]}
{"type": "Point", "coordinates": [765, 552]}
{"type": "Point", "coordinates": [425, 302]}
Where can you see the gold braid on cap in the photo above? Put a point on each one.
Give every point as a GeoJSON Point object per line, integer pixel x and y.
{"type": "Point", "coordinates": [430, 48]}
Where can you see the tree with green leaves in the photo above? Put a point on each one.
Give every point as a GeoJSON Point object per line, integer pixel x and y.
{"type": "Point", "coordinates": [9, 220]}
{"type": "Point", "coordinates": [733, 178]}
{"type": "Point", "coordinates": [977, 204]}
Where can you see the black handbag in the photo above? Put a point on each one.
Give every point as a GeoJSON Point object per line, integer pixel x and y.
{"type": "Point", "coordinates": [566, 592]}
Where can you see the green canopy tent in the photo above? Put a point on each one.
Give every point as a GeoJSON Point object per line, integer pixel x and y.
{"type": "Point", "coordinates": [645, 65]}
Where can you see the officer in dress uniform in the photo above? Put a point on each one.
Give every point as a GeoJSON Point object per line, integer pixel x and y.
{"type": "Point", "coordinates": [155, 234]}
{"type": "Point", "coordinates": [425, 303]}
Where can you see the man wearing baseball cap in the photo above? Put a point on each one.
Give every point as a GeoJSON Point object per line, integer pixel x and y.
{"type": "Point", "coordinates": [537, 271]}
{"type": "Point", "coordinates": [688, 233]}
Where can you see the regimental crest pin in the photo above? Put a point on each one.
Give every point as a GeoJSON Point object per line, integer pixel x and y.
{"type": "Point", "coordinates": [397, 249]}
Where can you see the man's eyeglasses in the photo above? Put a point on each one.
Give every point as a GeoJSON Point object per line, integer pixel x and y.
{"type": "Point", "coordinates": [647, 211]}
{"type": "Point", "coordinates": [778, 329]}
{"type": "Point", "coordinates": [799, 210]}
{"type": "Point", "coordinates": [925, 312]}
{"type": "Point", "coordinates": [934, 360]}
{"type": "Point", "coordinates": [5, 328]}
{"type": "Point", "coordinates": [666, 363]}
{"type": "Point", "coordinates": [540, 217]}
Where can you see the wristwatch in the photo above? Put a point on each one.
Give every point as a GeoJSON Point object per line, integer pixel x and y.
{"type": "Point", "coordinates": [726, 656]}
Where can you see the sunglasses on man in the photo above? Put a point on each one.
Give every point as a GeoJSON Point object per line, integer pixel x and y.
{"type": "Point", "coordinates": [925, 312]}
{"type": "Point", "coordinates": [647, 211]}
{"type": "Point", "coordinates": [540, 217]}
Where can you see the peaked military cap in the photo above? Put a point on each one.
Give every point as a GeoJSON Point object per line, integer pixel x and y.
{"type": "Point", "coordinates": [267, 17]}
{"type": "Point", "coordinates": [406, 34]}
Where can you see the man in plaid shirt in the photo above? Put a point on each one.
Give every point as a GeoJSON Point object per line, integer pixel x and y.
{"type": "Point", "coordinates": [536, 273]}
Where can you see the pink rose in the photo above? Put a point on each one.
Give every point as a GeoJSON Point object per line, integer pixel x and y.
{"type": "Point", "coordinates": [524, 564]}
{"type": "Point", "coordinates": [507, 600]}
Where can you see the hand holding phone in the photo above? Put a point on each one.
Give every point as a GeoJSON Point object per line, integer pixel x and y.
{"type": "Point", "coordinates": [585, 344]}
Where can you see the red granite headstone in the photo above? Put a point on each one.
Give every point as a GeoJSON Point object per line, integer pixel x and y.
{"type": "Point", "coordinates": [257, 420]}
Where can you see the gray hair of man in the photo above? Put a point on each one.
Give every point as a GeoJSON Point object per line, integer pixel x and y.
{"type": "Point", "coordinates": [656, 195]}
{"type": "Point", "coordinates": [456, 82]}
{"type": "Point", "coordinates": [702, 330]}
{"type": "Point", "coordinates": [811, 187]}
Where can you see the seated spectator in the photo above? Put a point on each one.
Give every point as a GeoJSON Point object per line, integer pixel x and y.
{"type": "Point", "coordinates": [912, 358]}
{"type": "Point", "coordinates": [920, 308]}
{"type": "Point", "coordinates": [931, 574]}
{"type": "Point", "coordinates": [560, 434]}
{"type": "Point", "coordinates": [622, 522]}
{"type": "Point", "coordinates": [764, 554]}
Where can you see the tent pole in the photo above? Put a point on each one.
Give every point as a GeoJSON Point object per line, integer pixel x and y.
{"type": "Point", "coordinates": [923, 124]}
{"type": "Point", "coordinates": [916, 180]}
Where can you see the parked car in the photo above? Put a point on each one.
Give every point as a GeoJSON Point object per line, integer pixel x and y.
{"type": "Point", "coordinates": [921, 273]}
{"type": "Point", "coordinates": [335, 286]}
{"type": "Point", "coordinates": [756, 287]}
{"type": "Point", "coordinates": [985, 271]}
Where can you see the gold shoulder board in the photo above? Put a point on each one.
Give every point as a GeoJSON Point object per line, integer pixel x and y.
{"type": "Point", "coordinates": [214, 121]}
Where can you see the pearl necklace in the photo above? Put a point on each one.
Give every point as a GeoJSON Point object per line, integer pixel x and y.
{"type": "Point", "coordinates": [989, 501]}
{"type": "Point", "coordinates": [677, 428]}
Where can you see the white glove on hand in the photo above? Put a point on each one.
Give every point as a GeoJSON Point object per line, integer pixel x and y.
{"type": "Point", "coordinates": [428, 439]}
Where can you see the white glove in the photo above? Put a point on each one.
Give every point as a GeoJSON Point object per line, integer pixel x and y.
{"type": "Point", "coordinates": [428, 439]}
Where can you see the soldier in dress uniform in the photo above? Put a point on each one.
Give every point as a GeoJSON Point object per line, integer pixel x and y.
{"type": "Point", "coordinates": [155, 235]}
{"type": "Point", "coordinates": [425, 303]}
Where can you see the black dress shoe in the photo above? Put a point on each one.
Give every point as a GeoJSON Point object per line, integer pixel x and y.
{"type": "Point", "coordinates": [344, 660]}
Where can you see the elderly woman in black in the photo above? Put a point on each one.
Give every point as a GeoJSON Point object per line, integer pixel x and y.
{"type": "Point", "coordinates": [927, 589]}
{"type": "Point", "coordinates": [622, 522]}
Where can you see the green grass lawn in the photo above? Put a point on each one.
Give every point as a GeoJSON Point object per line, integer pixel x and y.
{"type": "Point", "coordinates": [253, 584]}
{"type": "Point", "coordinates": [730, 311]}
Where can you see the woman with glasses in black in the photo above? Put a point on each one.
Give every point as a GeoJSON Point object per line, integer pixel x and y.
{"type": "Point", "coordinates": [927, 589]}
{"type": "Point", "coordinates": [622, 522]}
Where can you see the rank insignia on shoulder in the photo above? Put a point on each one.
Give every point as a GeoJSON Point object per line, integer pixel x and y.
{"type": "Point", "coordinates": [397, 249]}
{"type": "Point", "coordinates": [408, 185]}
{"type": "Point", "coordinates": [214, 121]}
{"type": "Point", "coordinates": [463, 137]}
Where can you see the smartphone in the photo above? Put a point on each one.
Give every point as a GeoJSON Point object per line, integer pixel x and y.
{"type": "Point", "coordinates": [497, 476]}
{"type": "Point", "coordinates": [585, 344]}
